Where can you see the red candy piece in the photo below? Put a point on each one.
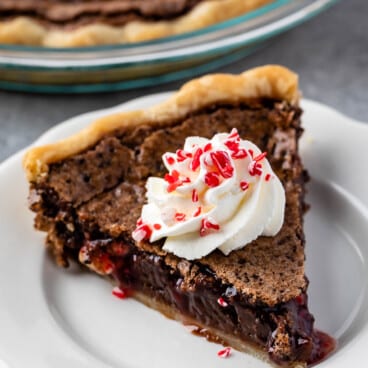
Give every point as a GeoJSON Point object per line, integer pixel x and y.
{"type": "Point", "coordinates": [180, 216]}
{"type": "Point", "coordinates": [234, 134]}
{"type": "Point", "coordinates": [208, 161]}
{"type": "Point", "coordinates": [222, 302]}
{"type": "Point", "coordinates": [268, 177]}
{"type": "Point", "coordinates": [119, 293]}
{"type": "Point", "coordinates": [208, 225]}
{"type": "Point", "coordinates": [142, 232]}
{"type": "Point", "coordinates": [197, 212]}
{"type": "Point", "coordinates": [255, 168]}
{"type": "Point", "coordinates": [207, 147]}
{"type": "Point", "coordinates": [224, 353]}
{"type": "Point", "coordinates": [186, 180]}
{"type": "Point", "coordinates": [244, 185]}
{"type": "Point", "coordinates": [173, 177]}
{"type": "Point", "coordinates": [157, 226]}
{"type": "Point", "coordinates": [232, 145]}
{"type": "Point", "coordinates": [222, 162]}
{"type": "Point", "coordinates": [182, 155]}
{"type": "Point", "coordinates": [260, 157]}
{"type": "Point", "coordinates": [170, 160]}
{"type": "Point", "coordinates": [212, 179]}
{"type": "Point", "coordinates": [195, 197]}
{"type": "Point", "coordinates": [241, 153]}
{"type": "Point", "coordinates": [196, 159]}
{"type": "Point", "coordinates": [172, 187]}
{"type": "Point", "coordinates": [173, 180]}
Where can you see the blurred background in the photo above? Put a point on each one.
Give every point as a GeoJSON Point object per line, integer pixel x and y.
{"type": "Point", "coordinates": [329, 52]}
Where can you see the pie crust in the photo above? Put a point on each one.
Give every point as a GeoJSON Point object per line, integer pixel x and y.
{"type": "Point", "coordinates": [270, 81]}
{"type": "Point", "coordinates": [26, 31]}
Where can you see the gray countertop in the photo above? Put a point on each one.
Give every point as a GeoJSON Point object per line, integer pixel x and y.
{"type": "Point", "coordinates": [330, 53]}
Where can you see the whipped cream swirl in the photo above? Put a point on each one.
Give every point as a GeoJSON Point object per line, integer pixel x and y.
{"type": "Point", "coordinates": [219, 194]}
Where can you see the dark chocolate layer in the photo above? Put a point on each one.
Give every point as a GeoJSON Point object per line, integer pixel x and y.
{"type": "Point", "coordinates": [284, 331]}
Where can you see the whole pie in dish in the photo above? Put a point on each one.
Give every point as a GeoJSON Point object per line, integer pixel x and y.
{"type": "Point", "coordinates": [145, 199]}
{"type": "Point", "coordinates": [72, 23]}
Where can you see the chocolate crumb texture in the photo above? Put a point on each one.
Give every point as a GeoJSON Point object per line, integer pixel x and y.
{"type": "Point", "coordinates": [99, 193]}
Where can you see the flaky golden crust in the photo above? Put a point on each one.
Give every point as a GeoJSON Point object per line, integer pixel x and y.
{"type": "Point", "coordinates": [271, 81]}
{"type": "Point", "coordinates": [23, 30]}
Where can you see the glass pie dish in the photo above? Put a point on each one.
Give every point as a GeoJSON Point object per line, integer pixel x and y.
{"type": "Point", "coordinates": [119, 67]}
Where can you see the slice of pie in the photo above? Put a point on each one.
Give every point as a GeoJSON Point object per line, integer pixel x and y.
{"type": "Point", "coordinates": [89, 195]}
{"type": "Point", "coordinates": [72, 23]}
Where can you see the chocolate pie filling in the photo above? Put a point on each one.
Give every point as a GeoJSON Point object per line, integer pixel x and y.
{"type": "Point", "coordinates": [256, 294]}
{"type": "Point", "coordinates": [75, 13]}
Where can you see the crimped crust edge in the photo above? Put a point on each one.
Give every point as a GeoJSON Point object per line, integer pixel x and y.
{"type": "Point", "coordinates": [26, 31]}
{"type": "Point", "coordinates": [270, 81]}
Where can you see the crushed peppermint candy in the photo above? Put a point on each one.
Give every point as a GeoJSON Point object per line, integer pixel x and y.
{"type": "Point", "coordinates": [224, 353]}
{"type": "Point", "coordinates": [195, 197]}
{"type": "Point", "coordinates": [205, 194]}
{"type": "Point", "coordinates": [232, 145]}
{"type": "Point", "coordinates": [194, 165]}
{"type": "Point", "coordinates": [170, 160]}
{"type": "Point", "coordinates": [180, 216]}
{"type": "Point", "coordinates": [212, 179]}
{"type": "Point", "coordinates": [207, 225]}
{"type": "Point", "coordinates": [119, 293]}
{"type": "Point", "coordinates": [197, 212]}
{"type": "Point", "coordinates": [182, 155]}
{"type": "Point", "coordinates": [239, 154]}
{"type": "Point", "coordinates": [260, 157]}
{"type": "Point", "coordinates": [255, 168]}
{"type": "Point", "coordinates": [173, 181]}
{"type": "Point", "coordinates": [244, 185]}
{"type": "Point", "coordinates": [222, 162]}
{"type": "Point", "coordinates": [234, 134]}
{"type": "Point", "coordinates": [207, 147]}
{"type": "Point", "coordinates": [142, 232]}
{"type": "Point", "coordinates": [222, 302]}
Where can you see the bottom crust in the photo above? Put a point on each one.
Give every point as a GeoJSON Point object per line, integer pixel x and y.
{"type": "Point", "coordinates": [211, 334]}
